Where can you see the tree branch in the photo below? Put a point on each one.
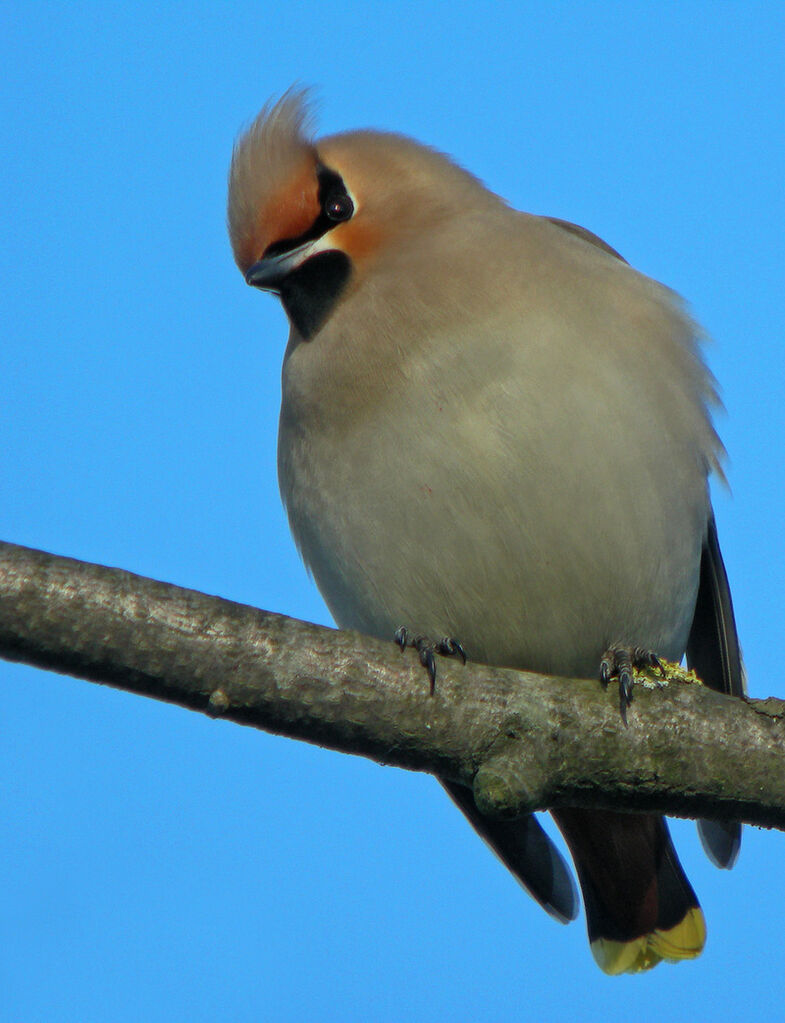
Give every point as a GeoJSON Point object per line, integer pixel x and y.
{"type": "Point", "coordinates": [523, 741]}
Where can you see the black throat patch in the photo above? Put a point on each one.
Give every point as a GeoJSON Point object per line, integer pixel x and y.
{"type": "Point", "coordinates": [309, 293]}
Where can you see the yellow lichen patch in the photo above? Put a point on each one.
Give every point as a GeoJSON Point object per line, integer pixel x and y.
{"type": "Point", "coordinates": [652, 678]}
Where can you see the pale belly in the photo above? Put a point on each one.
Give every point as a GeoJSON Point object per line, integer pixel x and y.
{"type": "Point", "coordinates": [536, 551]}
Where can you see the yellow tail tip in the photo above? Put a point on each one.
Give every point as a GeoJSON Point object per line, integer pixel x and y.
{"type": "Point", "coordinates": [684, 941]}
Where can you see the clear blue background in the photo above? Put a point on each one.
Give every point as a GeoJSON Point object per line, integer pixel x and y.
{"type": "Point", "coordinates": [157, 865]}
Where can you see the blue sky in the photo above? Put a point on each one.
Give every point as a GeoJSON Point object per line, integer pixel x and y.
{"type": "Point", "coordinates": [158, 865]}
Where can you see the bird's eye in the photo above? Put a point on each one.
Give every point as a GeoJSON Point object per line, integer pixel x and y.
{"type": "Point", "coordinates": [339, 207]}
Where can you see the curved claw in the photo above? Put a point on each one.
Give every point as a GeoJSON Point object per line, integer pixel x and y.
{"type": "Point", "coordinates": [427, 660]}
{"type": "Point", "coordinates": [401, 636]}
{"type": "Point", "coordinates": [450, 647]}
{"type": "Point", "coordinates": [427, 648]}
{"type": "Point", "coordinates": [619, 662]}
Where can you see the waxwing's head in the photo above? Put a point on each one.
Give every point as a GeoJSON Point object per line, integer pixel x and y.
{"type": "Point", "coordinates": [307, 220]}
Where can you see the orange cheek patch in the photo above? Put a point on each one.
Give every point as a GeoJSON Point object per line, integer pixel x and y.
{"type": "Point", "coordinates": [357, 239]}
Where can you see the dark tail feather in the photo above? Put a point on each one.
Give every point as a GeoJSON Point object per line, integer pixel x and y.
{"type": "Point", "coordinates": [714, 654]}
{"type": "Point", "coordinates": [640, 907]}
{"type": "Point", "coordinates": [527, 852]}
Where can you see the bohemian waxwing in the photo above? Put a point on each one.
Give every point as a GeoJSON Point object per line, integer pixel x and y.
{"type": "Point", "coordinates": [494, 429]}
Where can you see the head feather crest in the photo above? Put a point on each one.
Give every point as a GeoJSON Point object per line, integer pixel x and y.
{"type": "Point", "coordinates": [275, 145]}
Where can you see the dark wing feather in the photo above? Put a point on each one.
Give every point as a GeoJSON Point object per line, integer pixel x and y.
{"type": "Point", "coordinates": [527, 852]}
{"type": "Point", "coordinates": [714, 654]}
{"type": "Point", "coordinates": [588, 236]}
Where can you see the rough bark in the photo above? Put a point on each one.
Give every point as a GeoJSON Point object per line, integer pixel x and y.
{"type": "Point", "coordinates": [523, 741]}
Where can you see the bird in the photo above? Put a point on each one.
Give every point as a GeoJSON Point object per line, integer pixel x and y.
{"type": "Point", "coordinates": [496, 437]}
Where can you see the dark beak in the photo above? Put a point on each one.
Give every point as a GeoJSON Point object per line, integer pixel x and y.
{"type": "Point", "coordinates": [268, 273]}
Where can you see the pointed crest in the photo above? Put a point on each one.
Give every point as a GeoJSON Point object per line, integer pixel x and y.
{"type": "Point", "coordinates": [273, 152]}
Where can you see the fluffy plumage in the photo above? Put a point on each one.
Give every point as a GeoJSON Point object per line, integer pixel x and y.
{"type": "Point", "coordinates": [493, 428]}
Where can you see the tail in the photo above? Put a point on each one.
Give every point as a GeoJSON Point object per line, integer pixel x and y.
{"type": "Point", "coordinates": [640, 907]}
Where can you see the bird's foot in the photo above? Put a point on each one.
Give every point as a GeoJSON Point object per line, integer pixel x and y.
{"type": "Point", "coordinates": [620, 662]}
{"type": "Point", "coordinates": [428, 648]}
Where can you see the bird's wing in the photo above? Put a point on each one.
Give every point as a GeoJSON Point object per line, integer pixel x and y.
{"type": "Point", "coordinates": [527, 852]}
{"type": "Point", "coordinates": [713, 652]}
